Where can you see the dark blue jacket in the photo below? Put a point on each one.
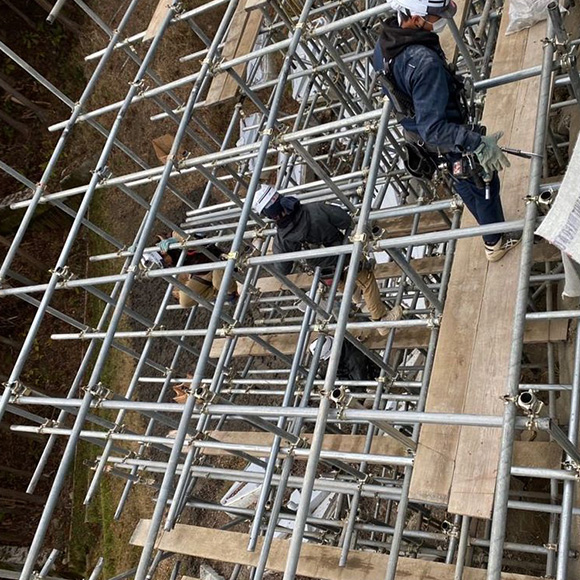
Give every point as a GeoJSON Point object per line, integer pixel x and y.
{"type": "Point", "coordinates": [421, 74]}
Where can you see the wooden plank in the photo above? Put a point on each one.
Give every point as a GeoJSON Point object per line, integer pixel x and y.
{"type": "Point", "coordinates": [229, 51]}
{"type": "Point", "coordinates": [240, 40]}
{"type": "Point", "coordinates": [342, 443]}
{"type": "Point", "coordinates": [320, 562]}
{"type": "Point", "coordinates": [508, 109]}
{"type": "Point", "coordinates": [156, 19]}
{"type": "Point", "coordinates": [537, 332]}
{"type": "Point", "coordinates": [246, 44]}
{"type": "Point", "coordinates": [435, 458]}
{"type": "Point", "coordinates": [540, 454]}
{"type": "Point", "coordinates": [430, 265]}
{"type": "Point", "coordinates": [286, 343]}
{"type": "Point", "coordinates": [458, 343]}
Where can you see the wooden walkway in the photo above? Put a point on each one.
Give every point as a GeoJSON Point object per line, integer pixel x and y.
{"type": "Point", "coordinates": [540, 454]}
{"type": "Point", "coordinates": [239, 41]}
{"type": "Point", "coordinates": [456, 466]}
{"type": "Point", "coordinates": [320, 562]}
{"type": "Point", "coordinates": [537, 332]}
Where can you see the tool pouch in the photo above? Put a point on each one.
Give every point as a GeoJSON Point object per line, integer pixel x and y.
{"type": "Point", "coordinates": [418, 161]}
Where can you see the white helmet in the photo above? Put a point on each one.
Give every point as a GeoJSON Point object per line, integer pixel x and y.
{"type": "Point", "coordinates": [326, 347]}
{"type": "Point", "coordinates": [442, 8]}
{"type": "Point", "coordinates": [265, 195]}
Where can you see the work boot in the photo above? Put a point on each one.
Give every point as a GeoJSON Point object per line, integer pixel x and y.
{"type": "Point", "coordinates": [495, 252]}
{"type": "Point", "coordinates": [395, 313]}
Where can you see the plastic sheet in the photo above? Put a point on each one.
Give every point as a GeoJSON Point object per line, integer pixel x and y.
{"type": "Point", "coordinates": [525, 13]}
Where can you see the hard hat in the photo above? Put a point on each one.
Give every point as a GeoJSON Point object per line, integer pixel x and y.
{"type": "Point", "coordinates": [265, 196]}
{"type": "Point", "coordinates": [326, 347]}
{"type": "Point", "coordinates": [442, 8]}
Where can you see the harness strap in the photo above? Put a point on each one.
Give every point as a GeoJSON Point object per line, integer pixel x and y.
{"type": "Point", "coordinates": [201, 280]}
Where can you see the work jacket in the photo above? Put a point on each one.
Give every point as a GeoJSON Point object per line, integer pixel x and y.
{"type": "Point", "coordinates": [355, 366]}
{"type": "Point", "coordinates": [420, 72]}
{"type": "Point", "coordinates": [311, 226]}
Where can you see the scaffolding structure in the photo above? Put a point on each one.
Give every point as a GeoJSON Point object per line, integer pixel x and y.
{"type": "Point", "coordinates": [341, 144]}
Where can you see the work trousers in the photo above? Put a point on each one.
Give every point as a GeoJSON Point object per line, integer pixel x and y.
{"type": "Point", "coordinates": [206, 285]}
{"type": "Point", "coordinates": [367, 283]}
{"type": "Point", "coordinates": [485, 211]}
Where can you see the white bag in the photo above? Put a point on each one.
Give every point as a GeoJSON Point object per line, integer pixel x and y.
{"type": "Point", "coordinates": [525, 13]}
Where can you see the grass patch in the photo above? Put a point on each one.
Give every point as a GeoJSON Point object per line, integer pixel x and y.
{"type": "Point", "coordinates": [85, 525]}
{"type": "Point", "coordinates": [94, 532]}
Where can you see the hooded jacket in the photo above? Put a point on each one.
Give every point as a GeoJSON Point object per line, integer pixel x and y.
{"type": "Point", "coordinates": [419, 70]}
{"type": "Point", "coordinates": [313, 225]}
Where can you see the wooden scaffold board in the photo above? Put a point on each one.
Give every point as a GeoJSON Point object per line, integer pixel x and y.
{"type": "Point", "coordinates": [456, 466]}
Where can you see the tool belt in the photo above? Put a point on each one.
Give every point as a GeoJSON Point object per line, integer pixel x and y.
{"type": "Point", "coordinates": [423, 160]}
{"type": "Point", "coordinates": [418, 161]}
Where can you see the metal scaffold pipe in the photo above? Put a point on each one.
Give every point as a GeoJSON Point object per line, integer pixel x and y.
{"type": "Point", "coordinates": [270, 370]}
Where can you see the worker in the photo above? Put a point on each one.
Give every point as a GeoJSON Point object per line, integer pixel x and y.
{"type": "Point", "coordinates": [318, 225]}
{"type": "Point", "coordinates": [206, 284]}
{"type": "Point", "coordinates": [353, 365]}
{"type": "Point", "coordinates": [428, 101]}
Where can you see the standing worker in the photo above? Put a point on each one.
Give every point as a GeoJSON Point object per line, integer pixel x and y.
{"type": "Point", "coordinates": [427, 98]}
{"type": "Point", "coordinates": [313, 226]}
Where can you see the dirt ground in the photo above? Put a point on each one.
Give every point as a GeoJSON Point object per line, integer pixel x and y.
{"type": "Point", "coordinates": [58, 54]}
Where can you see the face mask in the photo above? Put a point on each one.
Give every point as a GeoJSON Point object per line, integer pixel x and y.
{"type": "Point", "coordinates": [439, 26]}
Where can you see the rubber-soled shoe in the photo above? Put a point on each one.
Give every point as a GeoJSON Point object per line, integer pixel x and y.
{"type": "Point", "coordinates": [507, 242]}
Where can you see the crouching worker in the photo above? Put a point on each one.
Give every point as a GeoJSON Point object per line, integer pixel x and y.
{"type": "Point", "coordinates": [206, 284]}
{"type": "Point", "coordinates": [318, 225]}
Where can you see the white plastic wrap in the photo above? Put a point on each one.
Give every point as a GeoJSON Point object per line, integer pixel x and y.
{"type": "Point", "coordinates": [525, 13]}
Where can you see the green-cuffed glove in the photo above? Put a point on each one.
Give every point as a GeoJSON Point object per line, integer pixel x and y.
{"type": "Point", "coordinates": [163, 245]}
{"type": "Point", "coordinates": [489, 154]}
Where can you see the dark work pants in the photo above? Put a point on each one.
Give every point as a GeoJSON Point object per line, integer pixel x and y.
{"type": "Point", "coordinates": [485, 211]}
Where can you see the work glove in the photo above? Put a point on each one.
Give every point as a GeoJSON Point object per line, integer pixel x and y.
{"type": "Point", "coordinates": [490, 156]}
{"type": "Point", "coordinates": [163, 245]}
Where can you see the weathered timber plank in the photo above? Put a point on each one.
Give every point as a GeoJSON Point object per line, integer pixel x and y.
{"type": "Point", "coordinates": [537, 332]}
{"type": "Point", "coordinates": [156, 20]}
{"type": "Point", "coordinates": [540, 454]}
{"type": "Point", "coordinates": [431, 265]}
{"type": "Point", "coordinates": [320, 562]}
{"type": "Point", "coordinates": [240, 40]}
{"type": "Point", "coordinates": [508, 109]}
{"type": "Point", "coordinates": [229, 52]}
{"type": "Point", "coordinates": [458, 346]}
{"type": "Point", "coordinates": [343, 443]}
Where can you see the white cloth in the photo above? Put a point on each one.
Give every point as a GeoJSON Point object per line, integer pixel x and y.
{"type": "Point", "coordinates": [571, 277]}
{"type": "Point", "coordinates": [561, 227]}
